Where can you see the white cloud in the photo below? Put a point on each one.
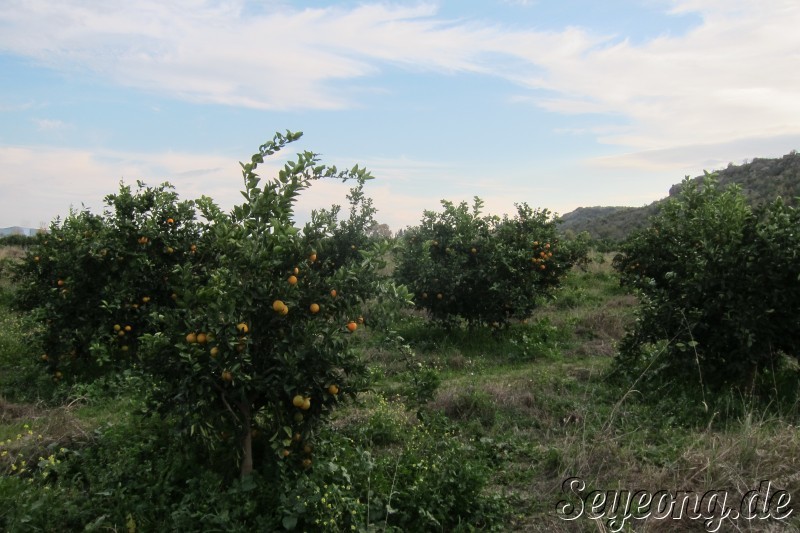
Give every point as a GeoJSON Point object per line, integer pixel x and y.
{"type": "Point", "coordinates": [732, 77]}
{"type": "Point", "coordinates": [44, 124]}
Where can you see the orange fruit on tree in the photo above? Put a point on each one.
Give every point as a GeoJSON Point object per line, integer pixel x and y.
{"type": "Point", "coordinates": [214, 352]}
{"type": "Point", "coordinates": [227, 376]}
{"type": "Point", "coordinates": [60, 283]}
{"type": "Point", "coordinates": [191, 338]}
{"type": "Point", "coordinates": [170, 221]}
{"type": "Point", "coordinates": [306, 463]}
{"type": "Point", "coordinates": [242, 328]}
{"type": "Point", "coordinates": [352, 326]}
{"type": "Point", "coordinates": [128, 328]}
{"type": "Point", "coordinates": [117, 327]}
{"type": "Point", "coordinates": [314, 308]}
{"type": "Point", "coordinates": [201, 338]}
{"type": "Point", "coordinates": [439, 296]}
{"type": "Point", "coordinates": [277, 305]}
{"type": "Point", "coordinates": [285, 310]}
{"type": "Point", "coordinates": [292, 280]}
{"type": "Point", "coordinates": [333, 293]}
{"type": "Point", "coordinates": [296, 271]}
{"type": "Point", "coordinates": [298, 400]}
{"type": "Point", "coordinates": [306, 404]}
{"type": "Point", "coordinates": [312, 257]}
{"type": "Point", "coordinates": [333, 389]}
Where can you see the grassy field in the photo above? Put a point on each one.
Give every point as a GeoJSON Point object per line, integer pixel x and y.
{"type": "Point", "coordinates": [532, 402]}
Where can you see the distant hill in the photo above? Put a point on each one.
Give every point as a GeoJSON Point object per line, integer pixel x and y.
{"type": "Point", "coordinates": [761, 181]}
{"type": "Point", "coordinates": [18, 230]}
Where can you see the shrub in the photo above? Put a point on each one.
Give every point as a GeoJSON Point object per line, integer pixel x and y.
{"type": "Point", "coordinates": [483, 269]}
{"type": "Point", "coordinates": [720, 289]}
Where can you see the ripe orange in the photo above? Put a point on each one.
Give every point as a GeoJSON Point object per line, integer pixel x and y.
{"type": "Point", "coordinates": [286, 453]}
{"type": "Point", "coordinates": [547, 245]}
{"type": "Point", "coordinates": [285, 310]}
{"type": "Point", "coordinates": [61, 283]}
{"type": "Point", "coordinates": [170, 221]}
{"type": "Point", "coordinates": [121, 333]}
{"type": "Point", "coordinates": [117, 327]}
{"type": "Point", "coordinates": [227, 376]}
{"type": "Point", "coordinates": [201, 338]}
{"type": "Point", "coordinates": [59, 375]}
{"type": "Point", "coordinates": [242, 328]}
{"type": "Point", "coordinates": [145, 299]}
{"type": "Point", "coordinates": [193, 248]}
{"type": "Point", "coordinates": [214, 352]}
{"type": "Point", "coordinates": [312, 257]}
{"type": "Point", "coordinates": [170, 249]}
{"type": "Point", "coordinates": [292, 280]}
{"type": "Point", "coordinates": [474, 251]}
{"type": "Point", "coordinates": [542, 267]}
{"type": "Point", "coordinates": [128, 328]}
{"type": "Point", "coordinates": [191, 338]}
{"type": "Point", "coordinates": [36, 259]}
{"type": "Point", "coordinates": [298, 400]}
{"type": "Point", "coordinates": [333, 293]}
{"type": "Point", "coordinates": [333, 389]}
{"type": "Point", "coordinates": [314, 308]}
{"type": "Point", "coordinates": [306, 404]}
{"type": "Point", "coordinates": [296, 271]}
{"type": "Point", "coordinates": [277, 305]}
{"type": "Point", "coordinates": [45, 357]}
{"type": "Point", "coordinates": [352, 326]}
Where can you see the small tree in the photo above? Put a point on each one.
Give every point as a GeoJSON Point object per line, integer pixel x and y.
{"type": "Point", "coordinates": [720, 290]}
{"type": "Point", "coordinates": [483, 269]}
{"type": "Point", "coordinates": [259, 346]}
{"type": "Point", "coordinates": [93, 280]}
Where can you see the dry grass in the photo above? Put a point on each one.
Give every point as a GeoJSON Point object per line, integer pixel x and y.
{"type": "Point", "coordinates": [13, 253]}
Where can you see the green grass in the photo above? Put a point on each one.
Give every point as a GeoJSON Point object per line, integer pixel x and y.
{"type": "Point", "coordinates": [525, 408]}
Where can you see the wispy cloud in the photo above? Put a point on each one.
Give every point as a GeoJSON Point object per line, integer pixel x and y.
{"type": "Point", "coordinates": [45, 124]}
{"type": "Point", "coordinates": [733, 76]}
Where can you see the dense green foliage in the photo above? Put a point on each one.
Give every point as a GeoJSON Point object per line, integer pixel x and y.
{"type": "Point", "coordinates": [720, 290]}
{"type": "Point", "coordinates": [483, 269]}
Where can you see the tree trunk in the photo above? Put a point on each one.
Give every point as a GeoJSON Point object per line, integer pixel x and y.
{"type": "Point", "coordinates": [247, 441]}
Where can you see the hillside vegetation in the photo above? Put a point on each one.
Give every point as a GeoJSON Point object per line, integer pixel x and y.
{"type": "Point", "coordinates": [761, 180]}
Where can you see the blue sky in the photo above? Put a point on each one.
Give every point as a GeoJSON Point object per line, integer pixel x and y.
{"type": "Point", "coordinates": [559, 104]}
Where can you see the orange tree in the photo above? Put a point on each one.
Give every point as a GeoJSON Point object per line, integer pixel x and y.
{"type": "Point", "coordinates": [258, 347]}
{"type": "Point", "coordinates": [719, 285]}
{"type": "Point", "coordinates": [483, 269]}
{"type": "Point", "coordinates": [92, 280]}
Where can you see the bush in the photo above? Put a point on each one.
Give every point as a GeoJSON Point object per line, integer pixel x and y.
{"type": "Point", "coordinates": [720, 289]}
{"type": "Point", "coordinates": [483, 269]}
{"type": "Point", "coordinates": [241, 321]}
